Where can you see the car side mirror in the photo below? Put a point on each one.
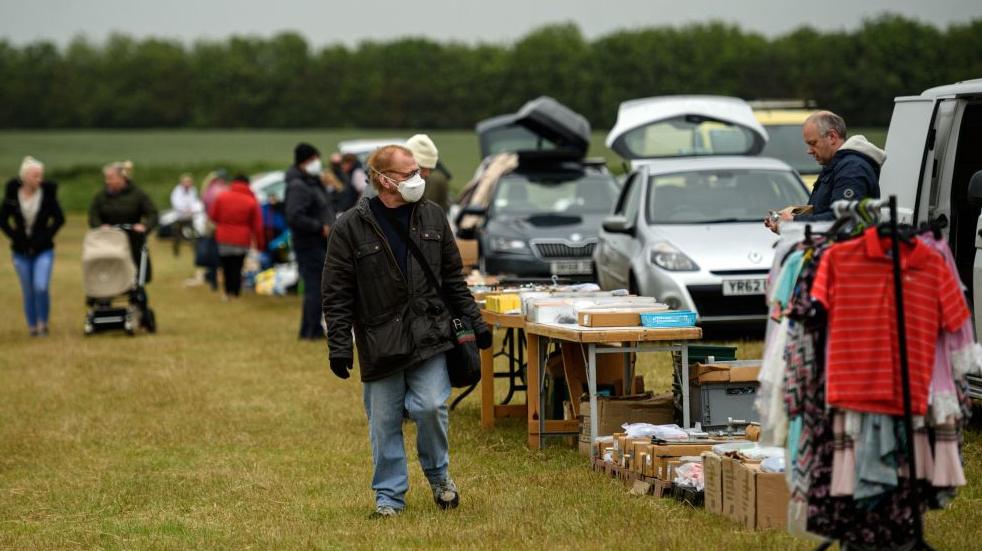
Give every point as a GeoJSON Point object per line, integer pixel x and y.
{"type": "Point", "coordinates": [617, 223]}
{"type": "Point", "coordinates": [975, 188]}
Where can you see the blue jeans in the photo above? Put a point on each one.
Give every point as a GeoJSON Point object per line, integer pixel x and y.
{"type": "Point", "coordinates": [422, 392]}
{"type": "Point", "coordinates": [34, 273]}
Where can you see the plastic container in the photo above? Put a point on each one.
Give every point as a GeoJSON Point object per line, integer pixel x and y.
{"type": "Point", "coordinates": [672, 318]}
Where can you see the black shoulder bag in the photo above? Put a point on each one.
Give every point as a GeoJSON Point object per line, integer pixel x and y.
{"type": "Point", "coordinates": [464, 359]}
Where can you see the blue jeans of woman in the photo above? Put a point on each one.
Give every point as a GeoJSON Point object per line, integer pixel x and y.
{"type": "Point", "coordinates": [34, 273]}
{"type": "Point", "coordinates": [421, 391]}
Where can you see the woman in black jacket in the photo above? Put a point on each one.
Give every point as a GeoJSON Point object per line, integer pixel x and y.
{"type": "Point", "coordinates": [30, 217]}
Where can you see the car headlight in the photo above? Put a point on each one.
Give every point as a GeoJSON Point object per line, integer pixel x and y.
{"type": "Point", "coordinates": [666, 256]}
{"type": "Point", "coordinates": [508, 245]}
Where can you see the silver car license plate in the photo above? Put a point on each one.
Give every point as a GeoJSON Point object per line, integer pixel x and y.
{"type": "Point", "coordinates": [733, 287]}
{"type": "Point", "coordinates": [571, 267]}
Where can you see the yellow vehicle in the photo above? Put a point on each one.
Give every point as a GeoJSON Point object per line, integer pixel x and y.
{"type": "Point", "coordinates": [783, 119]}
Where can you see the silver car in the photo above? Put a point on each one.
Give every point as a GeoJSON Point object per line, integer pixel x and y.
{"type": "Point", "coordinates": [688, 227]}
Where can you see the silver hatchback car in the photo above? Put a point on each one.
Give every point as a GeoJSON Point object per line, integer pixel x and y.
{"type": "Point", "coordinates": [688, 227]}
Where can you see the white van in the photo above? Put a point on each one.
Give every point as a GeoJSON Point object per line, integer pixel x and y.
{"type": "Point", "coordinates": [934, 167]}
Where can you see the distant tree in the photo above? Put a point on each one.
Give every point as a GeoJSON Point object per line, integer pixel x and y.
{"type": "Point", "coordinates": [418, 82]}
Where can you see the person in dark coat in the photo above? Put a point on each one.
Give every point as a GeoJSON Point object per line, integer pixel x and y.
{"type": "Point", "coordinates": [374, 287]}
{"type": "Point", "coordinates": [309, 214]}
{"type": "Point", "coordinates": [850, 167]}
{"type": "Point", "coordinates": [30, 216]}
{"type": "Point", "coordinates": [122, 202]}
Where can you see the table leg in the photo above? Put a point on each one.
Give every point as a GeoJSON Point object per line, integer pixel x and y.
{"type": "Point", "coordinates": [543, 354]}
{"type": "Point", "coordinates": [487, 384]}
{"type": "Point", "coordinates": [532, 384]}
{"type": "Point", "coordinates": [685, 385]}
{"type": "Point", "coordinates": [591, 381]}
{"type": "Point", "coordinates": [628, 371]}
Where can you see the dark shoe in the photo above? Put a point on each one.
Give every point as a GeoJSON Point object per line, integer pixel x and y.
{"type": "Point", "coordinates": [445, 494]}
{"type": "Point", "coordinates": [383, 512]}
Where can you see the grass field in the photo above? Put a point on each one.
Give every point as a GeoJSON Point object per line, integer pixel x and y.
{"type": "Point", "coordinates": [223, 432]}
{"type": "Point", "coordinates": [74, 158]}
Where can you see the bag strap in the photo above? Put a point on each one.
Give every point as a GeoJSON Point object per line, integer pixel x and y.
{"type": "Point", "coordinates": [418, 254]}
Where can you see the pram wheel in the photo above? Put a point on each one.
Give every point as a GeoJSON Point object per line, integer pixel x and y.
{"type": "Point", "coordinates": [150, 321]}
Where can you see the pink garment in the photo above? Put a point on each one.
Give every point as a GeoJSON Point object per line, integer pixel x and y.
{"type": "Point", "coordinates": [958, 345]}
{"type": "Point", "coordinates": [948, 471]}
{"type": "Point", "coordinates": [843, 458]}
{"type": "Point", "coordinates": [212, 192]}
{"type": "Point", "coordinates": [923, 455]}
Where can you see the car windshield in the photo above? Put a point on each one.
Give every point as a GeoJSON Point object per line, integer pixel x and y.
{"type": "Point", "coordinates": [523, 195]}
{"type": "Point", "coordinates": [718, 196]}
{"type": "Point", "coordinates": [687, 136]}
{"type": "Point", "coordinates": [785, 143]}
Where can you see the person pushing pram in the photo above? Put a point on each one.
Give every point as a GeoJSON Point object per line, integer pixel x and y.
{"type": "Point", "coordinates": [120, 206]}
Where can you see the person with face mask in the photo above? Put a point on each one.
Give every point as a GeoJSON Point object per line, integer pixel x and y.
{"type": "Point", "coordinates": [309, 215]}
{"type": "Point", "coordinates": [374, 286]}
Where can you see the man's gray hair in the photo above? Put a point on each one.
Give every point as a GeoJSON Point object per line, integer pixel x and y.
{"type": "Point", "coordinates": [827, 120]}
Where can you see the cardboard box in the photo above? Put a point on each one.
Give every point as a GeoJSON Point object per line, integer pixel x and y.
{"type": "Point", "coordinates": [729, 487]}
{"type": "Point", "coordinates": [614, 317]}
{"type": "Point", "coordinates": [614, 411]}
{"type": "Point", "coordinates": [772, 501]}
{"type": "Point", "coordinates": [712, 469]}
{"type": "Point", "coordinates": [468, 253]}
{"type": "Point", "coordinates": [740, 371]}
{"type": "Point", "coordinates": [760, 499]}
{"type": "Point", "coordinates": [745, 494]}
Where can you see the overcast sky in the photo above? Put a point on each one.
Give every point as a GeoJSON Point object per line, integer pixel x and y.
{"type": "Point", "coordinates": [326, 22]}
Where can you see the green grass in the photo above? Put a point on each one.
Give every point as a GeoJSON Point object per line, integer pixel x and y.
{"type": "Point", "coordinates": [75, 158]}
{"type": "Point", "coordinates": [223, 432]}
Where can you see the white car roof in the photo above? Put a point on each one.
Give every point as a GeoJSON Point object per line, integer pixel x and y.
{"type": "Point", "coordinates": [367, 145]}
{"type": "Point", "coordinates": [688, 164]}
{"type": "Point", "coordinates": [957, 89]}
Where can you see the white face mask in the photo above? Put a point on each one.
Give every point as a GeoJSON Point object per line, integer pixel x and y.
{"type": "Point", "coordinates": [412, 189]}
{"type": "Point", "coordinates": [314, 167]}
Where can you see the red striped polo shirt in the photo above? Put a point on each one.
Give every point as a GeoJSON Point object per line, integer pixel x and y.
{"type": "Point", "coordinates": [855, 285]}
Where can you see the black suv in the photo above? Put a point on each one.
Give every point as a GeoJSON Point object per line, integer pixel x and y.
{"type": "Point", "coordinates": [539, 218]}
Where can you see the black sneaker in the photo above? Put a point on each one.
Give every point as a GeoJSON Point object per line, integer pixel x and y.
{"type": "Point", "coordinates": [384, 511]}
{"type": "Point", "coordinates": [445, 494]}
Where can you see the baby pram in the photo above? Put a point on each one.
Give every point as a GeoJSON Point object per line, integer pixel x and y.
{"type": "Point", "coordinates": [110, 277]}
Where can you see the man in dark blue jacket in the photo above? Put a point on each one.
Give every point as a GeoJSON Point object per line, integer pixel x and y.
{"type": "Point", "coordinates": [851, 167]}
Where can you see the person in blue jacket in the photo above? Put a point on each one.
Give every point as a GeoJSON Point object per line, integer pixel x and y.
{"type": "Point", "coordinates": [850, 167]}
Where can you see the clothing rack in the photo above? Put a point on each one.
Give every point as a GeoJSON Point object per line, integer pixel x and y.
{"type": "Point", "coordinates": [864, 209]}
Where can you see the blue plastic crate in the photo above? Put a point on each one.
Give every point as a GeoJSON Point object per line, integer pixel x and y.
{"type": "Point", "coordinates": [672, 318]}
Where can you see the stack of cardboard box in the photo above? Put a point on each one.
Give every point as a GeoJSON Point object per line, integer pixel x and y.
{"type": "Point", "coordinates": [739, 490]}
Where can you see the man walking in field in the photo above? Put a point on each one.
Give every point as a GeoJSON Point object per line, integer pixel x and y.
{"type": "Point", "coordinates": [374, 285]}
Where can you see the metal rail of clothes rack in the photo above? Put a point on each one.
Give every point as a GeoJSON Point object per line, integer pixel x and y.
{"type": "Point", "coordinates": [864, 209]}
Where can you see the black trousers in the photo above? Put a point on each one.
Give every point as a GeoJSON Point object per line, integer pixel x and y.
{"type": "Point", "coordinates": [232, 269]}
{"type": "Point", "coordinates": [310, 260]}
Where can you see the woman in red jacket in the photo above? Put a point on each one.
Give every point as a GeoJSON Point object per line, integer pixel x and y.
{"type": "Point", "coordinates": [238, 223]}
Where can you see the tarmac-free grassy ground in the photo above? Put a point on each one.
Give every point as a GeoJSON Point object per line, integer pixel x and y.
{"type": "Point", "coordinates": [223, 432]}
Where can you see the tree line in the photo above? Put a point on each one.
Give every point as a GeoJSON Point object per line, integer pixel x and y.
{"type": "Point", "coordinates": [282, 82]}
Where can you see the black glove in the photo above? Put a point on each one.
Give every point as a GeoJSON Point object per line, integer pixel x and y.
{"type": "Point", "coordinates": [341, 367]}
{"type": "Point", "coordinates": [483, 338]}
